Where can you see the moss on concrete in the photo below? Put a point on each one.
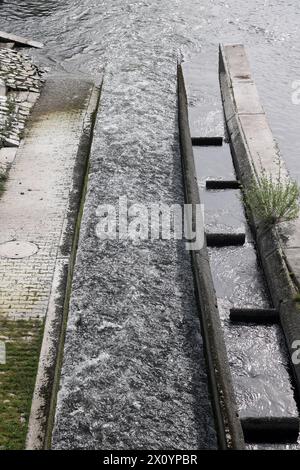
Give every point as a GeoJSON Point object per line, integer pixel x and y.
{"type": "Point", "coordinates": [17, 379]}
{"type": "Point", "coordinates": [2, 182]}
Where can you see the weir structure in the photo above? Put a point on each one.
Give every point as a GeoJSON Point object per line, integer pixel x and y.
{"type": "Point", "coordinates": [115, 372]}
{"type": "Point", "coordinates": [229, 429]}
{"type": "Point", "coordinates": [38, 211]}
{"type": "Point", "coordinates": [255, 152]}
{"type": "Point", "coordinates": [81, 418]}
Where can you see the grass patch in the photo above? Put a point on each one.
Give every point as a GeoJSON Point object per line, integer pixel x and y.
{"type": "Point", "coordinates": [17, 379]}
{"type": "Point", "coordinates": [273, 200]}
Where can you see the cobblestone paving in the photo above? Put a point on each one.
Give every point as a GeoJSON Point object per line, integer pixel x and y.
{"type": "Point", "coordinates": [18, 72]}
{"type": "Point", "coordinates": [20, 85]}
{"type": "Point", "coordinates": [33, 209]}
{"type": "Point", "coordinates": [34, 212]}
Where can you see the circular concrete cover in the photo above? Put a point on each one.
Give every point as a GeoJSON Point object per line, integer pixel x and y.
{"type": "Point", "coordinates": [17, 250]}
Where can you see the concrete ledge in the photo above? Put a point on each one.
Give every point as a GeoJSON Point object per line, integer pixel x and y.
{"type": "Point", "coordinates": [254, 315]}
{"type": "Point", "coordinates": [228, 425]}
{"type": "Point", "coordinates": [253, 146]}
{"type": "Point", "coordinates": [19, 40]}
{"type": "Point", "coordinates": [222, 184]}
{"type": "Point", "coordinates": [7, 45]}
{"type": "Point", "coordinates": [207, 141]}
{"type": "Point", "coordinates": [271, 429]}
{"type": "Point", "coordinates": [70, 104]}
{"type": "Point", "coordinates": [225, 239]}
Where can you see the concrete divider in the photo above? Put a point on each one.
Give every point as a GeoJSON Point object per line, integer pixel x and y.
{"type": "Point", "coordinates": [222, 184]}
{"type": "Point", "coordinates": [228, 425]}
{"type": "Point", "coordinates": [254, 315]}
{"type": "Point", "coordinates": [225, 239]}
{"type": "Point", "coordinates": [207, 141]}
{"type": "Point", "coordinates": [254, 149]}
{"type": "Point", "coordinates": [271, 429]}
{"type": "Point", "coordinates": [8, 38]}
{"type": "Point", "coordinates": [58, 140]}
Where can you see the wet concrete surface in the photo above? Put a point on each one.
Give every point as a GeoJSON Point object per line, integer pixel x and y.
{"type": "Point", "coordinates": [257, 353]}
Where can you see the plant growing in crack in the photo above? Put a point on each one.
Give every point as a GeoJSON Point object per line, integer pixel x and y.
{"type": "Point", "coordinates": [273, 199]}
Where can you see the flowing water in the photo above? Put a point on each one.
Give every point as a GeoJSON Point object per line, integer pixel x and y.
{"type": "Point", "coordinates": [89, 35]}
{"type": "Point", "coordinates": [137, 44]}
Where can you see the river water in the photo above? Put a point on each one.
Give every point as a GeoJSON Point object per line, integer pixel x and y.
{"type": "Point", "coordinates": [137, 44]}
{"type": "Point", "coordinates": [91, 34]}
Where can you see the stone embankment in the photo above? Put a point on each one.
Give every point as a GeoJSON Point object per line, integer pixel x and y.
{"type": "Point", "coordinates": [43, 155]}
{"type": "Point", "coordinates": [20, 86]}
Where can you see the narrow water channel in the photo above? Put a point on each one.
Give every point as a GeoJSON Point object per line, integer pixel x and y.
{"type": "Point", "coordinates": [257, 353]}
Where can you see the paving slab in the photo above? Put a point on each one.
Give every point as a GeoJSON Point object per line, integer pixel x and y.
{"type": "Point", "coordinates": [205, 104]}
{"type": "Point", "coordinates": [19, 40]}
{"type": "Point", "coordinates": [213, 163]}
{"type": "Point", "coordinates": [224, 212]}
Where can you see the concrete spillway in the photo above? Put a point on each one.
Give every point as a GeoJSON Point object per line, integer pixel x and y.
{"type": "Point", "coordinates": [133, 374]}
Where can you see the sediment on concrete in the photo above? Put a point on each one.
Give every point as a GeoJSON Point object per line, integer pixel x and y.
{"type": "Point", "coordinates": [254, 149]}
{"type": "Point", "coordinates": [133, 373]}
{"type": "Point", "coordinates": [38, 215]}
{"type": "Point", "coordinates": [9, 38]}
{"type": "Point", "coordinates": [229, 430]}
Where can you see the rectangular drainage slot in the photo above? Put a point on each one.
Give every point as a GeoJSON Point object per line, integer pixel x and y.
{"type": "Point", "coordinates": [222, 184]}
{"type": "Point", "coordinates": [254, 315]}
{"type": "Point", "coordinates": [225, 239]}
{"type": "Point", "coordinates": [270, 429]}
{"type": "Point", "coordinates": [207, 141]}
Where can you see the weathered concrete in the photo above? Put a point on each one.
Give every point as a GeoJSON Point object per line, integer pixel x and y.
{"type": "Point", "coordinates": [19, 40]}
{"type": "Point", "coordinates": [254, 315]}
{"type": "Point", "coordinates": [254, 149]}
{"type": "Point", "coordinates": [205, 111]}
{"type": "Point", "coordinates": [225, 239]}
{"type": "Point", "coordinates": [224, 216]}
{"type": "Point", "coordinates": [222, 184]}
{"type": "Point", "coordinates": [228, 426]}
{"type": "Point", "coordinates": [35, 211]}
{"type": "Point", "coordinates": [20, 85]}
{"type": "Point", "coordinates": [7, 45]}
{"type": "Point", "coordinates": [134, 373]}
{"type": "Point", "coordinates": [271, 429]}
{"type": "Point", "coordinates": [207, 141]}
{"type": "Point", "coordinates": [73, 103]}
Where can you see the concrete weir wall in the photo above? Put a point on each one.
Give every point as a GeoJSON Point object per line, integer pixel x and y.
{"type": "Point", "coordinates": [133, 373]}
{"type": "Point", "coordinates": [40, 206]}
{"type": "Point", "coordinates": [254, 149]}
{"type": "Point", "coordinates": [228, 425]}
